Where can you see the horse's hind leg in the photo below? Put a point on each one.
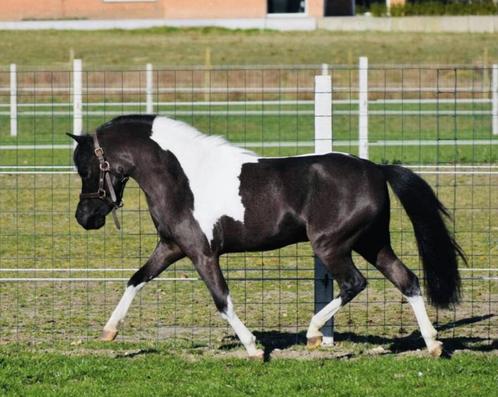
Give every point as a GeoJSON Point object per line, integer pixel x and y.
{"type": "Point", "coordinates": [164, 255]}
{"type": "Point", "coordinates": [351, 283]}
{"type": "Point", "coordinates": [407, 282]}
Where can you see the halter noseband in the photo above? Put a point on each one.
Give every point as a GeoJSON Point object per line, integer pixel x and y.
{"type": "Point", "coordinates": [105, 179]}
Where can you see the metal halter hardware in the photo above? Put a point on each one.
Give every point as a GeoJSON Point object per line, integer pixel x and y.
{"type": "Point", "coordinates": [105, 179]}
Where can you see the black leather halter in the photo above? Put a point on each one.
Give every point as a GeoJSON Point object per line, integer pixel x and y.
{"type": "Point", "coordinates": [105, 179]}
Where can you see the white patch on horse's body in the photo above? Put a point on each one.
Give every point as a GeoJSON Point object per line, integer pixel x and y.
{"type": "Point", "coordinates": [212, 166]}
{"type": "Point", "coordinates": [245, 336]}
{"type": "Point", "coordinates": [121, 309]}
{"type": "Point", "coordinates": [324, 315]}
{"type": "Point", "coordinates": [426, 328]}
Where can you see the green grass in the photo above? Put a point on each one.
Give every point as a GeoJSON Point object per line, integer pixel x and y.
{"type": "Point", "coordinates": [163, 371]}
{"type": "Point", "coordinates": [290, 129]}
{"type": "Point", "coordinates": [166, 46]}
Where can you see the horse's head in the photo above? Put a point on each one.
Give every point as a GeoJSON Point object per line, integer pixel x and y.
{"type": "Point", "coordinates": [102, 184]}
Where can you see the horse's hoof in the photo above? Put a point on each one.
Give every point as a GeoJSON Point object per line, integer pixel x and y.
{"type": "Point", "coordinates": [314, 342]}
{"type": "Point", "coordinates": [436, 349]}
{"type": "Point", "coordinates": [258, 355]}
{"type": "Point", "coordinates": [109, 335]}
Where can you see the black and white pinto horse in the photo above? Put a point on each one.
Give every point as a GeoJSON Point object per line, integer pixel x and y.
{"type": "Point", "coordinates": [207, 197]}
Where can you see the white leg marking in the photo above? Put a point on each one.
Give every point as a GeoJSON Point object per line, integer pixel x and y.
{"type": "Point", "coordinates": [324, 315]}
{"type": "Point", "coordinates": [245, 336]}
{"type": "Point", "coordinates": [428, 332]}
{"type": "Point", "coordinates": [121, 309]}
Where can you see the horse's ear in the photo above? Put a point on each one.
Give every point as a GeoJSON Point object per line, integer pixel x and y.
{"type": "Point", "coordinates": [77, 138]}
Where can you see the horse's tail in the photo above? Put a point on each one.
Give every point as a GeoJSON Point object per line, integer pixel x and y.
{"type": "Point", "coordinates": [436, 246]}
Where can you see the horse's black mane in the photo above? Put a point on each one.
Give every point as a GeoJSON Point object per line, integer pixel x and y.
{"type": "Point", "coordinates": [136, 122]}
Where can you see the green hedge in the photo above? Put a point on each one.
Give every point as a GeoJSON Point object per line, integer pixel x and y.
{"type": "Point", "coordinates": [483, 7]}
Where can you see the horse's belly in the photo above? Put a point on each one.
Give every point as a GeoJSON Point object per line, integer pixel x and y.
{"type": "Point", "coordinates": [259, 235]}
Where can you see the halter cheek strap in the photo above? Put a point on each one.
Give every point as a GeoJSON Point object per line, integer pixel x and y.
{"type": "Point", "coordinates": [105, 179]}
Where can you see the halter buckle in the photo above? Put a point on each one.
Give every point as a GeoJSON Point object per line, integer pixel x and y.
{"type": "Point", "coordinates": [102, 193]}
{"type": "Point", "coordinates": [99, 152]}
{"type": "Point", "coordinates": [104, 166]}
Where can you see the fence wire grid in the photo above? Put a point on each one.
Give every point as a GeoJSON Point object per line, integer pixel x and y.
{"type": "Point", "coordinates": [59, 282]}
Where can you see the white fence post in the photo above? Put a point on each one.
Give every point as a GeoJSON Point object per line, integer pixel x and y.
{"type": "Point", "coordinates": [323, 284]}
{"type": "Point", "coordinates": [149, 90]}
{"type": "Point", "coordinates": [363, 108]}
{"type": "Point", "coordinates": [323, 114]}
{"type": "Point", "coordinates": [494, 114]}
{"type": "Point", "coordinates": [13, 100]}
{"type": "Point", "coordinates": [77, 97]}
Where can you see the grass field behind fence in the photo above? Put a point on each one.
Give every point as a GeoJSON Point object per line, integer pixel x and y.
{"type": "Point", "coordinates": [272, 291]}
{"type": "Point", "coordinates": [173, 46]}
{"type": "Point", "coordinates": [398, 138]}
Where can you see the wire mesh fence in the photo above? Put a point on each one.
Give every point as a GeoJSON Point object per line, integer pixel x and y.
{"type": "Point", "coordinates": [59, 282]}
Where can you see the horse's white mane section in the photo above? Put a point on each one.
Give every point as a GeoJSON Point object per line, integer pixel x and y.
{"type": "Point", "coordinates": [212, 166]}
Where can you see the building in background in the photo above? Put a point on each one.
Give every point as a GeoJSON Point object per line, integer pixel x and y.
{"type": "Point", "coordinates": [19, 10]}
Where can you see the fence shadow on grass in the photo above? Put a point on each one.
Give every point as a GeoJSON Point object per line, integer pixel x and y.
{"type": "Point", "coordinates": [272, 340]}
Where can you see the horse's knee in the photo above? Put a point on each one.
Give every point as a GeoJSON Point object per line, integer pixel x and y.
{"type": "Point", "coordinates": [352, 287]}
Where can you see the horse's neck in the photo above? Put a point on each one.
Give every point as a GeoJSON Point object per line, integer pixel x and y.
{"type": "Point", "coordinates": [151, 170]}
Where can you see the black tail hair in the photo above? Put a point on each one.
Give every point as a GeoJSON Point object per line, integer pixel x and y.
{"type": "Point", "coordinates": [436, 246]}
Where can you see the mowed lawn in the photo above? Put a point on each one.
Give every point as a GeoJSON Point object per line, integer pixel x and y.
{"type": "Point", "coordinates": [160, 372]}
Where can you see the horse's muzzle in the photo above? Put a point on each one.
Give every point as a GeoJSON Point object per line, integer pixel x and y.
{"type": "Point", "coordinates": [91, 218]}
{"type": "Point", "coordinates": [91, 222]}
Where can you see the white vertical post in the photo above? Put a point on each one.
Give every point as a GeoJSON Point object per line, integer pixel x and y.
{"type": "Point", "coordinates": [325, 69]}
{"type": "Point", "coordinates": [13, 100]}
{"type": "Point", "coordinates": [323, 285]}
{"type": "Point", "coordinates": [77, 97]}
{"type": "Point", "coordinates": [149, 91]}
{"type": "Point", "coordinates": [363, 108]}
{"type": "Point", "coordinates": [323, 114]}
{"type": "Point", "coordinates": [494, 113]}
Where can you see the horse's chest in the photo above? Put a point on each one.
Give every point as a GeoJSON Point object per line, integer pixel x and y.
{"type": "Point", "coordinates": [216, 194]}
{"type": "Point", "coordinates": [215, 186]}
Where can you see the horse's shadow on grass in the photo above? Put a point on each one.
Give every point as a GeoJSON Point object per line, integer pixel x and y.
{"type": "Point", "coordinates": [272, 340]}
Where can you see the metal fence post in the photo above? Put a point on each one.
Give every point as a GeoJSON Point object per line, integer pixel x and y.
{"type": "Point", "coordinates": [149, 90]}
{"type": "Point", "coordinates": [13, 100]}
{"type": "Point", "coordinates": [363, 108]}
{"type": "Point", "coordinates": [494, 88]}
{"type": "Point", "coordinates": [77, 97]}
{"type": "Point", "coordinates": [323, 144]}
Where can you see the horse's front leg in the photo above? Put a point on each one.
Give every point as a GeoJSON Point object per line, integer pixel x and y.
{"type": "Point", "coordinates": [210, 272]}
{"type": "Point", "coordinates": [164, 255]}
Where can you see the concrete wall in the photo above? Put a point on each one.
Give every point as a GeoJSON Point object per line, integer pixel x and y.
{"type": "Point", "coordinates": [463, 24]}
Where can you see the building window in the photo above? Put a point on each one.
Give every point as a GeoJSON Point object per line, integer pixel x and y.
{"type": "Point", "coordinates": [336, 8]}
{"type": "Point", "coordinates": [286, 6]}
